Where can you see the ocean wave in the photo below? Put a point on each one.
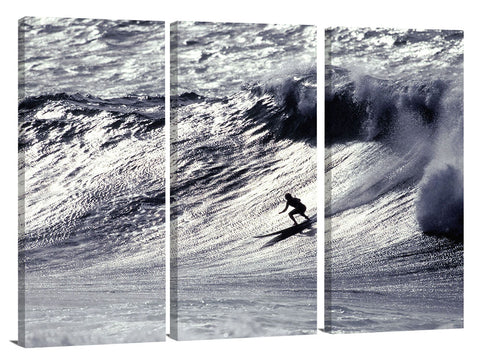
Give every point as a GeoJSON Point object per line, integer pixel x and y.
{"type": "Point", "coordinates": [295, 116]}
{"type": "Point", "coordinates": [94, 180]}
{"type": "Point", "coordinates": [420, 123]}
{"type": "Point", "coordinates": [272, 111]}
{"type": "Point", "coordinates": [394, 179]}
{"type": "Point", "coordinates": [368, 108]}
{"type": "Point", "coordinates": [233, 159]}
{"type": "Point", "coordinates": [72, 115]}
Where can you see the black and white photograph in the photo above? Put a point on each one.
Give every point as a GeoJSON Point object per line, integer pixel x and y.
{"type": "Point", "coordinates": [218, 180]}
{"type": "Point", "coordinates": [393, 179]}
{"type": "Point", "coordinates": [243, 188]}
{"type": "Point", "coordinates": [91, 115]}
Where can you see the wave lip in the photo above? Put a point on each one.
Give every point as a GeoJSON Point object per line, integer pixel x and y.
{"type": "Point", "coordinates": [367, 108]}
{"type": "Point", "coordinates": [297, 99]}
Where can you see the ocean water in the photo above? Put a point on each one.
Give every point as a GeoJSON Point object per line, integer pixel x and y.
{"type": "Point", "coordinates": [394, 180]}
{"type": "Point", "coordinates": [243, 135]}
{"type": "Point", "coordinates": [91, 180]}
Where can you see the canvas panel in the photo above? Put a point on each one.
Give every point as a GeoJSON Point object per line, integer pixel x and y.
{"type": "Point", "coordinates": [393, 179]}
{"type": "Point", "coordinates": [91, 181]}
{"type": "Point", "coordinates": [243, 134]}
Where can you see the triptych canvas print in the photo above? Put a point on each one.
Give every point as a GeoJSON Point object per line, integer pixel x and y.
{"type": "Point", "coordinates": [243, 180]}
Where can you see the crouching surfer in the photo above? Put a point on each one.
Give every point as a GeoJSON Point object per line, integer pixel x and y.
{"type": "Point", "coordinates": [299, 208]}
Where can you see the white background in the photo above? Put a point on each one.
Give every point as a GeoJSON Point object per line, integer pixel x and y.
{"type": "Point", "coordinates": [438, 344]}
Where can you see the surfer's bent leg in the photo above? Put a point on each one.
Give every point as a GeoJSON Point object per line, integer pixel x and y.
{"type": "Point", "coordinates": [302, 212]}
{"type": "Point", "coordinates": [291, 213]}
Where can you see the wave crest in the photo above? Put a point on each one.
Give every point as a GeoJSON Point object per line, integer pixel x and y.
{"type": "Point", "coordinates": [420, 122]}
{"type": "Point", "coordinates": [294, 115]}
{"type": "Point", "coordinates": [366, 108]}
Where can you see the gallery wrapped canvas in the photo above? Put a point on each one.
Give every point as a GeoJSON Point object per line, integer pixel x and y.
{"type": "Point", "coordinates": [91, 181]}
{"type": "Point", "coordinates": [243, 136]}
{"type": "Point", "coordinates": [393, 179]}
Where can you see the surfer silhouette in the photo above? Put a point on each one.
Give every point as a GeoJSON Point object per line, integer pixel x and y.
{"type": "Point", "coordinates": [299, 208]}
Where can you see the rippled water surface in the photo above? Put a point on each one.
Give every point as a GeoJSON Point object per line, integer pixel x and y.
{"type": "Point", "coordinates": [394, 180]}
{"type": "Point", "coordinates": [92, 183]}
{"type": "Point", "coordinates": [244, 126]}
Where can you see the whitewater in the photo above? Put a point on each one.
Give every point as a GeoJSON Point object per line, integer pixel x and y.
{"type": "Point", "coordinates": [394, 180]}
